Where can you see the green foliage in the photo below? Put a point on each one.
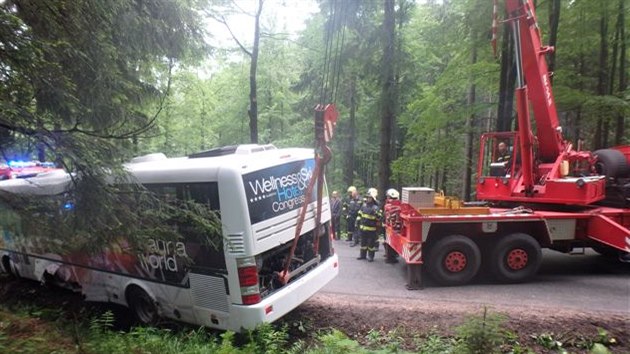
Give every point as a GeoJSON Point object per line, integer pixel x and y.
{"type": "Point", "coordinates": [267, 339]}
{"type": "Point", "coordinates": [547, 341]}
{"type": "Point", "coordinates": [82, 80]}
{"type": "Point", "coordinates": [433, 342]}
{"type": "Point", "coordinates": [481, 334]}
{"type": "Point", "coordinates": [599, 348]}
{"type": "Point", "coordinates": [30, 329]}
{"type": "Point", "coordinates": [564, 341]}
{"type": "Point", "coordinates": [390, 341]}
{"type": "Point", "coordinates": [336, 342]}
{"type": "Point", "coordinates": [85, 71]}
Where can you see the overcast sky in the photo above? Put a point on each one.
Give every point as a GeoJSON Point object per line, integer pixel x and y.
{"type": "Point", "coordinates": [279, 16]}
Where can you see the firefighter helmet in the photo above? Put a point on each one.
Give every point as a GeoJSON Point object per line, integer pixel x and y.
{"type": "Point", "coordinates": [372, 192]}
{"type": "Point", "coordinates": [392, 193]}
{"type": "Point", "coordinates": [352, 189]}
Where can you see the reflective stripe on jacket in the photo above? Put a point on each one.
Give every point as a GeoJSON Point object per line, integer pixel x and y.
{"type": "Point", "coordinates": [369, 217]}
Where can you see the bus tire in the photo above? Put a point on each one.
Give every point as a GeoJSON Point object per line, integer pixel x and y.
{"type": "Point", "coordinates": [142, 306]}
{"type": "Point", "coordinates": [515, 258]}
{"type": "Point", "coordinates": [453, 260]}
{"type": "Point", "coordinates": [9, 268]}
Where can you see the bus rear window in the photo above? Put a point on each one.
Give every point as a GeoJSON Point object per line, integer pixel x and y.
{"type": "Point", "coordinates": [277, 190]}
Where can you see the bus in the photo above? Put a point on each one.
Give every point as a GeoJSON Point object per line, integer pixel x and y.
{"type": "Point", "coordinates": [257, 192]}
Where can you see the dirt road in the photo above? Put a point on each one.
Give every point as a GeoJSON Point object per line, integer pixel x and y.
{"type": "Point", "coordinates": [571, 299]}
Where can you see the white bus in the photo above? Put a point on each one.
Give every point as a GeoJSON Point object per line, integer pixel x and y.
{"type": "Point", "coordinates": [257, 190]}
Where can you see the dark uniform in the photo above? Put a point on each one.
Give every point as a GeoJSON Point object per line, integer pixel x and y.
{"type": "Point", "coordinates": [368, 222]}
{"type": "Point", "coordinates": [505, 157]}
{"type": "Point", "coordinates": [351, 208]}
{"type": "Point", "coordinates": [336, 217]}
{"type": "Point", "coordinates": [503, 154]}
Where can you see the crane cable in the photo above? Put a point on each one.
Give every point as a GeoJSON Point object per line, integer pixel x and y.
{"type": "Point", "coordinates": [326, 114]}
{"type": "Point", "coordinates": [325, 120]}
{"type": "Point", "coordinates": [334, 40]}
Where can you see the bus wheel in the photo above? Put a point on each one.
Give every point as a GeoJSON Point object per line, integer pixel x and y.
{"type": "Point", "coordinates": [9, 268]}
{"type": "Point", "coordinates": [515, 258]}
{"type": "Point", "coordinates": [453, 260]}
{"type": "Point", "coordinates": [142, 306]}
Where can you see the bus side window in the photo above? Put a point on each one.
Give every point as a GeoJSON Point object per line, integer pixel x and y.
{"type": "Point", "coordinates": [205, 257]}
{"type": "Point", "coordinates": [202, 193]}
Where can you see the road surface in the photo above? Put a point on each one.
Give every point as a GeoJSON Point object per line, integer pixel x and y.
{"type": "Point", "coordinates": [571, 282]}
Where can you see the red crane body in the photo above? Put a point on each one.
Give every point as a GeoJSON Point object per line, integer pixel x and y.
{"type": "Point", "coordinates": [551, 196]}
{"type": "Point", "coordinates": [544, 168]}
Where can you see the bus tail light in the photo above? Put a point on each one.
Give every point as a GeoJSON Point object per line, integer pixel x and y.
{"type": "Point", "coordinates": [248, 276]}
{"type": "Point", "coordinates": [248, 280]}
{"type": "Point", "coordinates": [251, 299]}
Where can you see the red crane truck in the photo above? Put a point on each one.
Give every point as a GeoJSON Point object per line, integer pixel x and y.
{"type": "Point", "coordinates": [550, 195]}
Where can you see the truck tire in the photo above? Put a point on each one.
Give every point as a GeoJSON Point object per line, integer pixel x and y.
{"type": "Point", "coordinates": [142, 306]}
{"type": "Point", "coordinates": [611, 163]}
{"type": "Point", "coordinates": [453, 260]}
{"type": "Point", "coordinates": [515, 258]}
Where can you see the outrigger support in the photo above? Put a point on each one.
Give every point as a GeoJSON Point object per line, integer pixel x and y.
{"type": "Point", "coordinates": [414, 277]}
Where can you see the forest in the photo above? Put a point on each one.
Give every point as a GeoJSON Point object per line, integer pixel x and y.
{"type": "Point", "coordinates": [88, 83]}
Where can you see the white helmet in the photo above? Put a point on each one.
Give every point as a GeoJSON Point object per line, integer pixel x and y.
{"type": "Point", "coordinates": [352, 189]}
{"type": "Point", "coordinates": [392, 193]}
{"type": "Point", "coordinates": [373, 193]}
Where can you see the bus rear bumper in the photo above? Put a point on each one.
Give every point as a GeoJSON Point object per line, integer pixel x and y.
{"type": "Point", "coordinates": [286, 299]}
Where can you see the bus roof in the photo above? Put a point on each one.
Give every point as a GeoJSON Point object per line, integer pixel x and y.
{"type": "Point", "coordinates": [160, 169]}
{"type": "Point", "coordinates": [157, 168]}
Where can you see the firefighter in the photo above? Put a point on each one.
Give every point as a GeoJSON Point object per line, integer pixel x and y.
{"type": "Point", "coordinates": [390, 255]}
{"type": "Point", "coordinates": [503, 154]}
{"type": "Point", "coordinates": [374, 193]}
{"type": "Point", "coordinates": [368, 222]}
{"type": "Point", "coordinates": [351, 206]}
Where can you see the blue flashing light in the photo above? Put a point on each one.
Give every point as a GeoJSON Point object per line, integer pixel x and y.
{"type": "Point", "coordinates": [68, 206]}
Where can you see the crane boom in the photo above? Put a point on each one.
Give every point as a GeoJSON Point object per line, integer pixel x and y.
{"type": "Point", "coordinates": [539, 166]}
{"type": "Point", "coordinates": [536, 74]}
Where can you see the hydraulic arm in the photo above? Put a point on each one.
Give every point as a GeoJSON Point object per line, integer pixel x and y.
{"type": "Point", "coordinates": [542, 167]}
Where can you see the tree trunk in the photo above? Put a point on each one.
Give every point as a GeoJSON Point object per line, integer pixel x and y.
{"type": "Point", "coordinates": [388, 95]}
{"type": "Point", "coordinates": [253, 100]}
{"type": "Point", "coordinates": [554, 20]}
{"type": "Point", "coordinates": [348, 167]}
{"type": "Point", "coordinates": [580, 67]}
{"type": "Point", "coordinates": [397, 140]}
{"type": "Point", "coordinates": [469, 132]}
{"type": "Point", "coordinates": [601, 132]}
{"type": "Point", "coordinates": [623, 75]}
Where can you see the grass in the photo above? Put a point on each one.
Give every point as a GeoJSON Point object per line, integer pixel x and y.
{"type": "Point", "coordinates": [38, 330]}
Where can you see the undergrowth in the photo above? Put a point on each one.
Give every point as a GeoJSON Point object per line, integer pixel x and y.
{"type": "Point", "coordinates": [32, 330]}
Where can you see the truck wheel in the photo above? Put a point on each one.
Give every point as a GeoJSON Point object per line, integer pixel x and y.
{"type": "Point", "coordinates": [611, 163]}
{"type": "Point", "coordinates": [453, 260]}
{"type": "Point", "coordinates": [515, 258]}
{"type": "Point", "coordinates": [142, 306]}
